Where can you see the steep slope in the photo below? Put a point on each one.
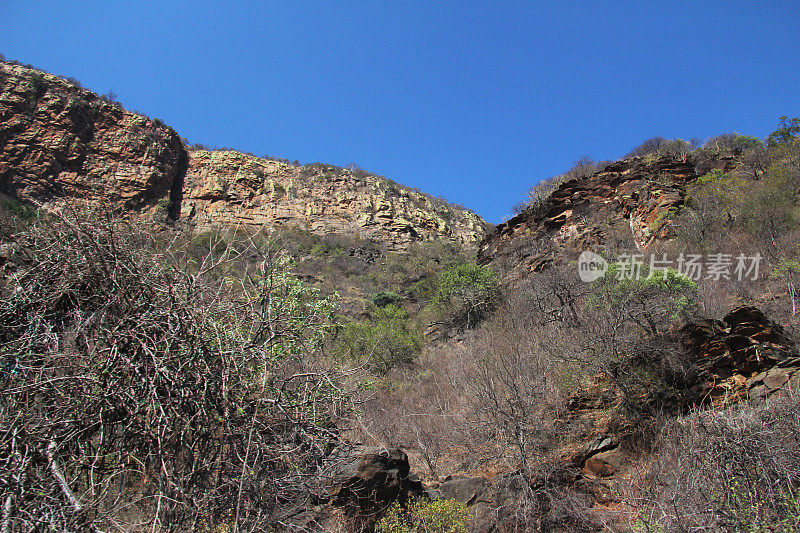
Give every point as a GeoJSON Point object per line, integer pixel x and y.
{"type": "Point", "coordinates": [226, 188]}
{"type": "Point", "coordinates": [627, 204]}
{"type": "Point", "coordinates": [61, 144]}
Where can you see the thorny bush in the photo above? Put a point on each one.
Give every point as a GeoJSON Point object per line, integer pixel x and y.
{"type": "Point", "coordinates": [145, 386]}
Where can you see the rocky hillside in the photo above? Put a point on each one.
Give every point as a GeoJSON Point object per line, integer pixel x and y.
{"type": "Point", "coordinates": [628, 204]}
{"type": "Point", "coordinates": [224, 188]}
{"type": "Point", "coordinates": [62, 144]}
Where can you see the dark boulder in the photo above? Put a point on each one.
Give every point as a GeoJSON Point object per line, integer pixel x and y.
{"type": "Point", "coordinates": [466, 489]}
{"type": "Point", "coordinates": [370, 477]}
{"type": "Point", "coordinates": [744, 355]}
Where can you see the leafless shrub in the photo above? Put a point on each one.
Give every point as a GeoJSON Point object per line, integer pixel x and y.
{"type": "Point", "coordinates": [755, 161]}
{"type": "Point", "coordinates": [650, 146]}
{"type": "Point", "coordinates": [146, 389]}
{"type": "Point", "coordinates": [494, 395]}
{"type": "Point", "coordinates": [731, 470]}
{"type": "Point", "coordinates": [512, 385]}
{"type": "Point", "coordinates": [584, 167]}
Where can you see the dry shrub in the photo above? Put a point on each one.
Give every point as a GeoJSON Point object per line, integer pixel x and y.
{"type": "Point", "coordinates": [485, 401]}
{"type": "Point", "coordinates": [144, 388]}
{"type": "Point", "coordinates": [731, 470]}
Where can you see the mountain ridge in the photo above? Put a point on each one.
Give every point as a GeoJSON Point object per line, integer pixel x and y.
{"type": "Point", "coordinates": [630, 202]}
{"type": "Point", "coordinates": [61, 143]}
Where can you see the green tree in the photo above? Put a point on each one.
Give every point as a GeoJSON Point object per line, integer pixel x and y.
{"type": "Point", "coordinates": [784, 142]}
{"type": "Point", "coordinates": [386, 340]}
{"type": "Point", "coordinates": [625, 318]}
{"type": "Point", "coordinates": [466, 293]}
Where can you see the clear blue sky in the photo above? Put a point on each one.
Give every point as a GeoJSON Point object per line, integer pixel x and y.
{"type": "Point", "coordinates": [473, 101]}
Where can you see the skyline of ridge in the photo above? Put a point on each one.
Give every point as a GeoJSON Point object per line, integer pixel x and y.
{"type": "Point", "coordinates": [474, 103]}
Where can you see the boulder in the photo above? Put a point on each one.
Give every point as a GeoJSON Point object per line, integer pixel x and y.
{"type": "Point", "coordinates": [370, 477]}
{"type": "Point", "coordinates": [598, 467]}
{"type": "Point", "coordinates": [783, 376]}
{"type": "Point", "coordinates": [744, 355]}
{"type": "Point", "coordinates": [466, 490]}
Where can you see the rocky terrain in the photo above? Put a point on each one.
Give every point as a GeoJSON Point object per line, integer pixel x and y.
{"type": "Point", "coordinates": [228, 381]}
{"type": "Point", "coordinates": [226, 188]}
{"type": "Point", "coordinates": [61, 144]}
{"type": "Point", "coordinates": [628, 204]}
{"type": "Point", "coordinates": [744, 356]}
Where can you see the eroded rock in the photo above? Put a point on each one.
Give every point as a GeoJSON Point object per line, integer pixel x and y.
{"type": "Point", "coordinates": [465, 489]}
{"type": "Point", "coordinates": [631, 201]}
{"type": "Point", "coordinates": [744, 355]}
{"type": "Point", "coordinates": [227, 188]}
{"type": "Point", "coordinates": [61, 144]}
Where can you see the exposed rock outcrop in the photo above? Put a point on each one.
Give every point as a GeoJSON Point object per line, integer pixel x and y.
{"type": "Point", "coordinates": [629, 202]}
{"type": "Point", "coordinates": [463, 489]}
{"type": "Point", "coordinates": [62, 144]}
{"type": "Point", "coordinates": [746, 355]}
{"type": "Point", "coordinates": [226, 188]}
{"type": "Point", "coordinates": [370, 477]}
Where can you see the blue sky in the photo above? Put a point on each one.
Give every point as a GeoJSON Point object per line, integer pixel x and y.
{"type": "Point", "coordinates": [472, 101]}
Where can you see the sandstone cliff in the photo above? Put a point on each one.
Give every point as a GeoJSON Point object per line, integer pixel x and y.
{"type": "Point", "coordinates": [225, 188]}
{"type": "Point", "coordinates": [61, 144]}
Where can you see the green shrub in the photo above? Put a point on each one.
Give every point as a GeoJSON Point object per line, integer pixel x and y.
{"type": "Point", "coordinates": [18, 209]}
{"type": "Point", "coordinates": [466, 293]}
{"type": "Point", "coordinates": [38, 83]}
{"type": "Point", "coordinates": [384, 298]}
{"type": "Point", "coordinates": [211, 240]}
{"type": "Point", "coordinates": [327, 248]}
{"type": "Point", "coordinates": [742, 143]}
{"type": "Point", "coordinates": [649, 301]}
{"type": "Point", "coordinates": [425, 516]}
{"type": "Point", "coordinates": [388, 340]}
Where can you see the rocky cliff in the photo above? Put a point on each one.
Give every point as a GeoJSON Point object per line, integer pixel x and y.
{"type": "Point", "coordinates": [225, 188]}
{"type": "Point", "coordinates": [61, 144]}
{"type": "Point", "coordinates": [629, 204]}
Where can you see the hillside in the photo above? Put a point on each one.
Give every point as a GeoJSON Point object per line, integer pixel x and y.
{"type": "Point", "coordinates": [644, 399]}
{"type": "Point", "coordinates": [61, 144]}
{"type": "Point", "coordinates": [206, 340]}
{"type": "Point", "coordinates": [627, 205]}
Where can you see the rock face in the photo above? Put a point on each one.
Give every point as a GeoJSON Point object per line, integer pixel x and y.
{"type": "Point", "coordinates": [225, 188]}
{"type": "Point", "coordinates": [463, 489]}
{"type": "Point", "coordinates": [630, 202]}
{"type": "Point", "coordinates": [62, 144]}
{"type": "Point", "coordinates": [744, 355]}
